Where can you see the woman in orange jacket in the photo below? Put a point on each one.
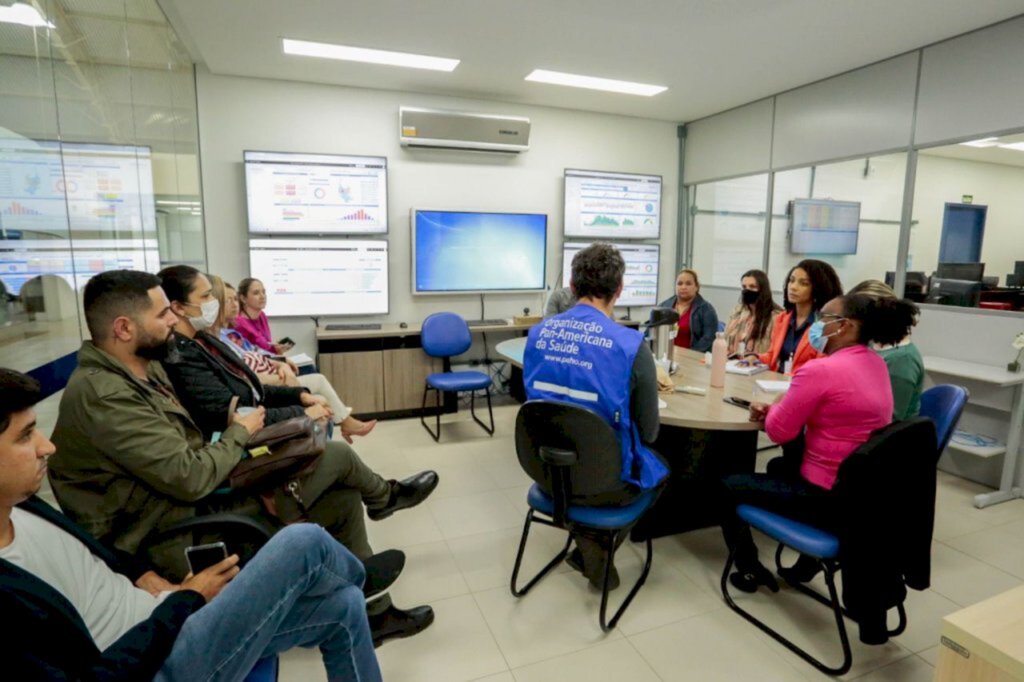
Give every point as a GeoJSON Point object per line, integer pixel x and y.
{"type": "Point", "coordinates": [809, 286]}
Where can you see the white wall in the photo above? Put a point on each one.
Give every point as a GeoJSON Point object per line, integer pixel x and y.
{"type": "Point", "coordinates": [237, 114]}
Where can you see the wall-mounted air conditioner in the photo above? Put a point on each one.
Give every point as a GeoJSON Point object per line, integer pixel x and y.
{"type": "Point", "coordinates": [440, 129]}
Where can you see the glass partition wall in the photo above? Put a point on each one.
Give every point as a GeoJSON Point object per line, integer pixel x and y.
{"type": "Point", "coordinates": [98, 163]}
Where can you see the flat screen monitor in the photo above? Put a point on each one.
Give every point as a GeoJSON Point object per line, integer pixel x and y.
{"type": "Point", "coordinates": [916, 282]}
{"type": "Point", "coordinates": [974, 272]}
{"type": "Point", "coordinates": [97, 190]}
{"type": "Point", "coordinates": [314, 277]}
{"type": "Point", "coordinates": [458, 252]}
{"type": "Point", "coordinates": [601, 204]}
{"type": "Point", "coordinates": [824, 226]}
{"type": "Point", "coordinates": [956, 292]}
{"type": "Point", "coordinates": [22, 260]}
{"type": "Point", "coordinates": [639, 284]}
{"type": "Point", "coordinates": [325, 194]}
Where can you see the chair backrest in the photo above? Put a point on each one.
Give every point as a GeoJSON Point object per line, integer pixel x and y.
{"type": "Point", "coordinates": [444, 335]}
{"type": "Point", "coordinates": [563, 426]}
{"type": "Point", "coordinates": [944, 404]}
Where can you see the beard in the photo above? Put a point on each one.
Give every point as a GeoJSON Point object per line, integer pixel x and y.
{"type": "Point", "coordinates": [153, 348]}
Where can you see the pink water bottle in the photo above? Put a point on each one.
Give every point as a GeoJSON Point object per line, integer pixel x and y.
{"type": "Point", "coordinates": [719, 353]}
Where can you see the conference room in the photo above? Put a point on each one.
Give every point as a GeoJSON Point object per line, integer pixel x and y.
{"type": "Point", "coordinates": [367, 197]}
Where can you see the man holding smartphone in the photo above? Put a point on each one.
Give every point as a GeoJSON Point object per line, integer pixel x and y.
{"type": "Point", "coordinates": [74, 609]}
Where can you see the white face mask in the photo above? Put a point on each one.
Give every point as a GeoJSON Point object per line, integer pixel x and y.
{"type": "Point", "coordinates": [210, 311]}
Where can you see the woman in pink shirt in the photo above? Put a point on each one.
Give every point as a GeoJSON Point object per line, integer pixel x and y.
{"type": "Point", "coordinates": [253, 323]}
{"type": "Point", "coordinates": [836, 402]}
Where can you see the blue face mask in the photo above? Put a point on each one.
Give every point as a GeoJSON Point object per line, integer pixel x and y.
{"type": "Point", "coordinates": [817, 337]}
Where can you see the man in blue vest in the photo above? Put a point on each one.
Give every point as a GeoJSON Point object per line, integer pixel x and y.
{"type": "Point", "coordinates": [582, 356]}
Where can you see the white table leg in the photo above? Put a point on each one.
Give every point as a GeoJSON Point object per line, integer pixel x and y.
{"type": "Point", "coordinates": [1007, 490]}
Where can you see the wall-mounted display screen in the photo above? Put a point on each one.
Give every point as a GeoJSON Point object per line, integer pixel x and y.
{"type": "Point", "coordinates": [327, 194]}
{"type": "Point", "coordinates": [612, 205]}
{"type": "Point", "coordinates": [639, 284]}
{"type": "Point", "coordinates": [468, 252]}
{"type": "Point", "coordinates": [22, 260]}
{"type": "Point", "coordinates": [824, 226]}
{"type": "Point", "coordinates": [99, 189]}
{"type": "Point", "coordinates": [314, 277]}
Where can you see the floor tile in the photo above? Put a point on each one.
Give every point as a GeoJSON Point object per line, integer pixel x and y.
{"type": "Point", "coordinates": [1004, 512]}
{"type": "Point", "coordinates": [925, 611]}
{"type": "Point", "coordinates": [930, 655]}
{"type": "Point", "coordinates": [609, 662]}
{"type": "Point", "coordinates": [486, 559]}
{"type": "Point", "coordinates": [458, 647]}
{"type": "Point", "coordinates": [408, 527]}
{"type": "Point", "coordinates": [301, 664]}
{"type": "Point", "coordinates": [430, 574]}
{"type": "Point", "coordinates": [909, 669]}
{"type": "Point", "coordinates": [955, 520]}
{"type": "Point", "coordinates": [994, 546]}
{"type": "Point", "coordinates": [557, 617]}
{"type": "Point", "coordinates": [500, 677]}
{"type": "Point", "coordinates": [965, 579]}
{"type": "Point", "coordinates": [473, 514]}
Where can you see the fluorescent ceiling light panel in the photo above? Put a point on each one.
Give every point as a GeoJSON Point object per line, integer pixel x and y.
{"type": "Point", "coordinates": [361, 54]}
{"type": "Point", "coordinates": [983, 142]}
{"type": "Point", "coordinates": [26, 15]}
{"type": "Point", "coordinates": [1015, 146]}
{"type": "Point", "coordinates": [591, 83]}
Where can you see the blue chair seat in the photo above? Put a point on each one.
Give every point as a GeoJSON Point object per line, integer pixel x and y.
{"type": "Point", "coordinates": [594, 517]}
{"type": "Point", "coordinates": [265, 671]}
{"type": "Point", "coordinates": [799, 536]}
{"type": "Point", "coordinates": [459, 381]}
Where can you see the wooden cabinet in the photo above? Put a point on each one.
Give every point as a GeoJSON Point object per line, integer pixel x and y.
{"type": "Point", "coordinates": [405, 371]}
{"type": "Point", "coordinates": [984, 642]}
{"type": "Point", "coordinates": [358, 378]}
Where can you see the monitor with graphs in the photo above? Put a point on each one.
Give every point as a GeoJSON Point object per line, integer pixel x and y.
{"type": "Point", "coordinates": [23, 260]}
{"type": "Point", "coordinates": [600, 204]}
{"type": "Point", "coordinates": [824, 226]}
{"type": "Point", "coordinates": [313, 277]}
{"type": "Point", "coordinates": [328, 194]}
{"type": "Point", "coordinates": [640, 283]}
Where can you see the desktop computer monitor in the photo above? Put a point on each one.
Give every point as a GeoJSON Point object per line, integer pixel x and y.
{"type": "Point", "coordinates": [639, 283]}
{"type": "Point", "coordinates": [612, 205]}
{"type": "Point", "coordinates": [955, 292]}
{"type": "Point", "coordinates": [915, 283]}
{"type": "Point", "coordinates": [973, 272]}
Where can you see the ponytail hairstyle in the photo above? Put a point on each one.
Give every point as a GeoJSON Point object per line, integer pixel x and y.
{"type": "Point", "coordinates": [765, 304]}
{"type": "Point", "coordinates": [884, 321]}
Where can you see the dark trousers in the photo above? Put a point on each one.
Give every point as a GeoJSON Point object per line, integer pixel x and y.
{"type": "Point", "coordinates": [787, 494]}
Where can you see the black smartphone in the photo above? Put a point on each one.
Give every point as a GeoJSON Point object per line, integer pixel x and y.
{"type": "Point", "coordinates": [738, 402]}
{"type": "Point", "coordinates": [287, 340]}
{"type": "Point", "coordinates": [201, 557]}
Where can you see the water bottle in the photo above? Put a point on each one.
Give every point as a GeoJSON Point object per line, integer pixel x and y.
{"type": "Point", "coordinates": [719, 353]}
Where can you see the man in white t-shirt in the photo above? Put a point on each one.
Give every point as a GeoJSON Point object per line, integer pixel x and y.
{"type": "Point", "coordinates": [74, 609]}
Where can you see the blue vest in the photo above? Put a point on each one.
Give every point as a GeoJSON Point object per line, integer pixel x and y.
{"type": "Point", "coordinates": [585, 358]}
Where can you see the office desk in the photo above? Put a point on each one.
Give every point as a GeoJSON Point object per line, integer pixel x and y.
{"type": "Point", "coordinates": [997, 377]}
{"type": "Point", "coordinates": [703, 439]}
{"type": "Point", "coordinates": [984, 642]}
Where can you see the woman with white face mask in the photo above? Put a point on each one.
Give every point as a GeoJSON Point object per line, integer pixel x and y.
{"type": "Point", "coordinates": [207, 374]}
{"type": "Point", "coordinates": [836, 402]}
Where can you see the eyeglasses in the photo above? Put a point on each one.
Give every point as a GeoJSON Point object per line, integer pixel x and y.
{"type": "Point", "coordinates": [831, 317]}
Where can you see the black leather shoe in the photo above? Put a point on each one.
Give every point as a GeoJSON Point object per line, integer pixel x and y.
{"type": "Point", "coordinates": [802, 571]}
{"type": "Point", "coordinates": [395, 622]}
{"type": "Point", "coordinates": [748, 581]}
{"type": "Point", "coordinates": [382, 570]}
{"type": "Point", "coordinates": [406, 493]}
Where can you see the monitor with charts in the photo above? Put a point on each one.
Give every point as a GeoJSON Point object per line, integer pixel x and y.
{"type": "Point", "coordinates": [639, 284]}
{"type": "Point", "coordinates": [314, 277]}
{"type": "Point", "coordinates": [326, 194]}
{"type": "Point", "coordinates": [600, 204]}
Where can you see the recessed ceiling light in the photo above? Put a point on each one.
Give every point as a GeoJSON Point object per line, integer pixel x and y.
{"type": "Point", "coordinates": [1015, 146]}
{"type": "Point", "coordinates": [592, 83]}
{"type": "Point", "coordinates": [26, 15]}
{"type": "Point", "coordinates": [362, 54]}
{"type": "Point", "coordinates": [983, 142]}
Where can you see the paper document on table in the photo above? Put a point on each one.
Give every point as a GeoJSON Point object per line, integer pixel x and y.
{"type": "Point", "coordinates": [662, 404]}
{"type": "Point", "coordinates": [772, 386]}
{"type": "Point", "coordinates": [301, 359]}
{"type": "Point", "coordinates": [744, 367]}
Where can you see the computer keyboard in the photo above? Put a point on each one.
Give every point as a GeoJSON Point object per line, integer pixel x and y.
{"type": "Point", "coordinates": [487, 323]}
{"type": "Point", "coordinates": [352, 326]}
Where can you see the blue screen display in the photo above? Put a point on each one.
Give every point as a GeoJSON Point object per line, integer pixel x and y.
{"type": "Point", "coordinates": [475, 252]}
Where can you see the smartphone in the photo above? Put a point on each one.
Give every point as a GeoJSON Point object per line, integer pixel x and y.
{"type": "Point", "coordinates": [286, 340]}
{"type": "Point", "coordinates": [738, 402]}
{"type": "Point", "coordinates": [201, 557]}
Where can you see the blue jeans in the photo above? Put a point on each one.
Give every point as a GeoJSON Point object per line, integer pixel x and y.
{"type": "Point", "coordinates": [303, 588]}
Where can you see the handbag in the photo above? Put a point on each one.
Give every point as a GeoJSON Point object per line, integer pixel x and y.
{"type": "Point", "coordinates": [279, 453]}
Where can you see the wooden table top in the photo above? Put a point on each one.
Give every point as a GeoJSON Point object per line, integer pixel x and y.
{"type": "Point", "coordinates": [686, 410]}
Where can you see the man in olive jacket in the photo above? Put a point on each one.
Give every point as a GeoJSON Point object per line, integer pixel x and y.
{"type": "Point", "coordinates": [131, 462]}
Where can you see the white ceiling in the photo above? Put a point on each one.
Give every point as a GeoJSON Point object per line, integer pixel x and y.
{"type": "Point", "coordinates": [995, 154]}
{"type": "Point", "coordinates": [712, 54]}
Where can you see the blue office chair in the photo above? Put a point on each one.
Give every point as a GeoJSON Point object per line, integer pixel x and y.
{"type": "Point", "coordinates": [265, 671]}
{"type": "Point", "coordinates": [573, 454]}
{"type": "Point", "coordinates": [894, 440]}
{"type": "Point", "coordinates": [721, 326]}
{"type": "Point", "coordinates": [444, 335]}
{"type": "Point", "coordinates": [944, 404]}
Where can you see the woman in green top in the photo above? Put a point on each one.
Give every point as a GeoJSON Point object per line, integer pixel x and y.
{"type": "Point", "coordinates": [906, 369]}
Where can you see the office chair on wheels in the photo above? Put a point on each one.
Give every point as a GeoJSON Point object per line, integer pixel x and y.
{"type": "Point", "coordinates": [444, 335]}
{"type": "Point", "coordinates": [895, 471]}
{"type": "Point", "coordinates": [573, 454]}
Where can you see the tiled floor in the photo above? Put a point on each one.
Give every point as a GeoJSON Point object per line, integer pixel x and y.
{"type": "Point", "coordinates": [461, 544]}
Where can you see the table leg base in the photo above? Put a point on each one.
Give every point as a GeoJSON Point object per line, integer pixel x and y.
{"type": "Point", "coordinates": [983, 500]}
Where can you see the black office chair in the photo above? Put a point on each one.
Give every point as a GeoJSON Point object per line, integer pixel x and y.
{"type": "Point", "coordinates": [573, 455]}
{"type": "Point", "coordinates": [896, 465]}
